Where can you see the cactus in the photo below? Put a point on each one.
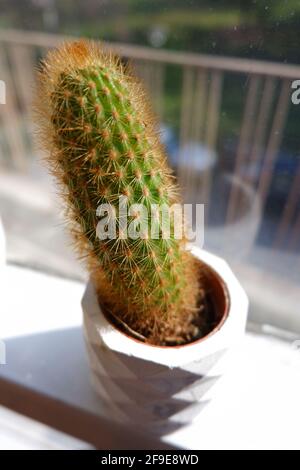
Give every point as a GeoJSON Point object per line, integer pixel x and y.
{"type": "Point", "coordinates": [102, 142]}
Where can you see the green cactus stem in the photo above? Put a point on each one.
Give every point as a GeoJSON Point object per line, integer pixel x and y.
{"type": "Point", "coordinates": [102, 143]}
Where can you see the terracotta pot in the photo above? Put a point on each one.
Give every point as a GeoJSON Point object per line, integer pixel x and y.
{"type": "Point", "coordinates": [163, 388]}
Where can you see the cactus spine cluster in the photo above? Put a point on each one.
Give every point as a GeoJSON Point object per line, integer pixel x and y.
{"type": "Point", "coordinates": [102, 142]}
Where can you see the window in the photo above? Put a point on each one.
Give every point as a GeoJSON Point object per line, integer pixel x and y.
{"type": "Point", "coordinates": [224, 78]}
{"type": "Point", "coordinates": [221, 77]}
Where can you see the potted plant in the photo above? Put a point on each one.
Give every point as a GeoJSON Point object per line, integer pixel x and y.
{"type": "Point", "coordinates": [157, 316]}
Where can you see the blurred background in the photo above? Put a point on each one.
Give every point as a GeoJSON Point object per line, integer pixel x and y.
{"type": "Point", "coordinates": [220, 76]}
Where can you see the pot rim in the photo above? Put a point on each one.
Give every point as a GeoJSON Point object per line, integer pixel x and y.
{"type": "Point", "coordinates": [218, 326]}
{"type": "Point", "coordinates": [99, 329]}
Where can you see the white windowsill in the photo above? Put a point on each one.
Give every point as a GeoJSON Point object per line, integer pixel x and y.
{"type": "Point", "coordinates": [257, 404]}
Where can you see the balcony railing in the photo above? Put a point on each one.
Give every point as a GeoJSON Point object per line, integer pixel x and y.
{"type": "Point", "coordinates": [196, 93]}
{"type": "Point", "coordinates": [264, 112]}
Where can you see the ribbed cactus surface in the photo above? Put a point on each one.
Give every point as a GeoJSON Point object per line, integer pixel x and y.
{"type": "Point", "coordinates": [102, 144]}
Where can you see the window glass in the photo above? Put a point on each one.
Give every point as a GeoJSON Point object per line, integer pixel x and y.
{"type": "Point", "coordinates": [223, 81]}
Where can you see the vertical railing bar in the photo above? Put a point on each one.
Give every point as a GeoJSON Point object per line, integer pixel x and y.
{"type": "Point", "coordinates": [159, 90]}
{"type": "Point", "coordinates": [295, 235]}
{"type": "Point", "coordinates": [145, 74]}
{"type": "Point", "coordinates": [262, 120]}
{"type": "Point", "coordinates": [274, 140]}
{"type": "Point", "coordinates": [199, 105]}
{"type": "Point", "coordinates": [289, 210]}
{"type": "Point", "coordinates": [152, 80]}
{"type": "Point", "coordinates": [195, 123]}
{"type": "Point", "coordinates": [185, 123]}
{"type": "Point", "coordinates": [211, 131]}
{"type": "Point", "coordinates": [247, 126]}
{"type": "Point", "coordinates": [11, 118]}
{"type": "Point", "coordinates": [23, 66]}
{"type": "Point", "coordinates": [214, 101]}
{"type": "Point", "coordinates": [136, 67]}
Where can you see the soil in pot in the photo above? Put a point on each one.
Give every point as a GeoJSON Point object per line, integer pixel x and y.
{"type": "Point", "coordinates": [212, 311]}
